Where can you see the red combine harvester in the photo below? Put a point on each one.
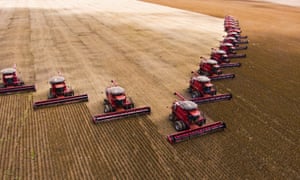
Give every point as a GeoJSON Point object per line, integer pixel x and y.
{"type": "Point", "coordinates": [230, 51]}
{"type": "Point", "coordinates": [237, 37]}
{"type": "Point", "coordinates": [234, 42]}
{"type": "Point", "coordinates": [189, 122]}
{"type": "Point", "coordinates": [221, 57]}
{"type": "Point", "coordinates": [203, 91]}
{"type": "Point", "coordinates": [60, 93]}
{"type": "Point", "coordinates": [211, 69]}
{"type": "Point", "coordinates": [118, 105]}
{"type": "Point", "coordinates": [12, 84]}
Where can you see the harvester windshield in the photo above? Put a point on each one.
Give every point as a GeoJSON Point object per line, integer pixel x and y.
{"type": "Point", "coordinates": [194, 115]}
{"type": "Point", "coordinates": [119, 100]}
{"type": "Point", "coordinates": [216, 69]}
{"type": "Point", "coordinates": [59, 89]}
{"type": "Point", "coordinates": [208, 88]}
{"type": "Point", "coordinates": [9, 79]}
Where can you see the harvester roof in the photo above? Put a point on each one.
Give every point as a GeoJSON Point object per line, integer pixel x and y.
{"type": "Point", "coordinates": [187, 105]}
{"type": "Point", "coordinates": [230, 38]}
{"type": "Point", "coordinates": [211, 61]}
{"type": "Point", "coordinates": [116, 90]}
{"type": "Point", "coordinates": [202, 79]}
{"type": "Point", "coordinates": [8, 70]}
{"type": "Point", "coordinates": [227, 44]}
{"type": "Point", "coordinates": [232, 33]}
{"type": "Point", "coordinates": [56, 79]}
{"type": "Point", "coordinates": [220, 51]}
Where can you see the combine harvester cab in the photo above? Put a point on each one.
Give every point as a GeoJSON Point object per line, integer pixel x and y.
{"type": "Point", "coordinates": [12, 84]}
{"type": "Point", "coordinates": [211, 69]}
{"type": "Point", "coordinates": [118, 105]}
{"type": "Point", "coordinates": [60, 94]}
{"type": "Point", "coordinates": [222, 58]}
{"type": "Point", "coordinates": [189, 122]}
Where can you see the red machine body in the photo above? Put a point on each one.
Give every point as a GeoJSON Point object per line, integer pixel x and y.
{"type": "Point", "coordinates": [189, 122]}
{"type": "Point", "coordinates": [231, 50]}
{"type": "Point", "coordinates": [212, 69]}
{"type": "Point", "coordinates": [118, 105]}
{"type": "Point", "coordinates": [12, 83]}
{"type": "Point", "coordinates": [221, 57]}
{"type": "Point", "coordinates": [184, 114]}
{"type": "Point", "coordinates": [59, 88]}
{"type": "Point", "coordinates": [237, 37]}
{"type": "Point", "coordinates": [60, 93]}
{"type": "Point", "coordinates": [201, 86]}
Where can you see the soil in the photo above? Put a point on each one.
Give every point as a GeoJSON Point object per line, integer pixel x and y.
{"type": "Point", "coordinates": [149, 50]}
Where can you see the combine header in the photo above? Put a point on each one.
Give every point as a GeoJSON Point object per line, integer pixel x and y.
{"type": "Point", "coordinates": [12, 84]}
{"type": "Point", "coordinates": [59, 94]}
{"type": "Point", "coordinates": [189, 122]}
{"type": "Point", "coordinates": [210, 68]}
{"type": "Point", "coordinates": [118, 105]}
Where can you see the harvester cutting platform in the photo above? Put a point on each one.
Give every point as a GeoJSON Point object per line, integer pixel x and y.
{"type": "Point", "coordinates": [12, 83]}
{"type": "Point", "coordinates": [189, 122]}
{"type": "Point", "coordinates": [211, 68]}
{"type": "Point", "coordinates": [60, 93]}
{"type": "Point", "coordinates": [118, 105]}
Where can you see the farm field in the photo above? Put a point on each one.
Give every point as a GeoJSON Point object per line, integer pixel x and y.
{"type": "Point", "coordinates": [149, 50]}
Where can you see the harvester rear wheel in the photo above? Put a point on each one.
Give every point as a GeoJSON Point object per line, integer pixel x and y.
{"type": "Point", "coordinates": [179, 125]}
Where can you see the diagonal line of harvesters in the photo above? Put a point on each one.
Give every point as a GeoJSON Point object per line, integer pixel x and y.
{"type": "Point", "coordinates": [187, 119]}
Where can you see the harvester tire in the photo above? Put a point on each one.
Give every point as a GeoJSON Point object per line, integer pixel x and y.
{"type": "Point", "coordinates": [179, 125]}
{"type": "Point", "coordinates": [107, 108]}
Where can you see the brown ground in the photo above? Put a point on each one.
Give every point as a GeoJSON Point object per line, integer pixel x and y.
{"type": "Point", "coordinates": [150, 52]}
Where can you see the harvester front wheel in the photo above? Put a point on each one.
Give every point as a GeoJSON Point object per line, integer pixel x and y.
{"type": "Point", "coordinates": [179, 125]}
{"type": "Point", "coordinates": [107, 108]}
{"type": "Point", "coordinates": [195, 94]}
